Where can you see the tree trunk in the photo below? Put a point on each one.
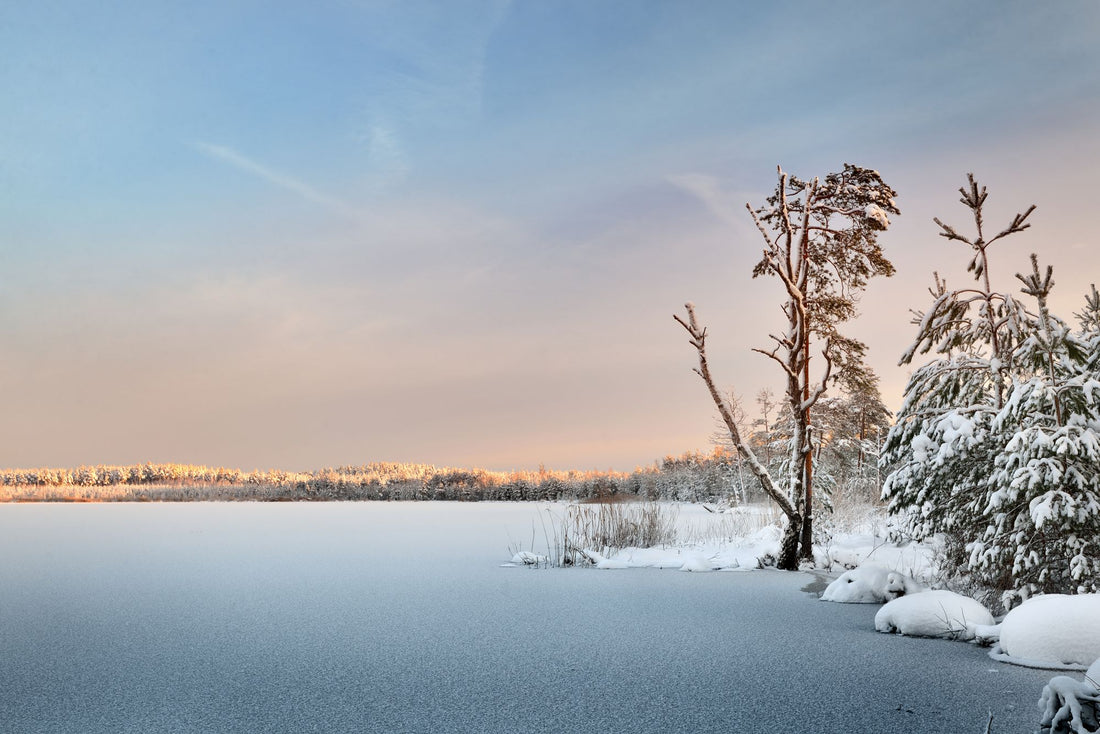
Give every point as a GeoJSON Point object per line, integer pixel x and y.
{"type": "Point", "coordinates": [788, 551]}
{"type": "Point", "coordinates": [807, 539]}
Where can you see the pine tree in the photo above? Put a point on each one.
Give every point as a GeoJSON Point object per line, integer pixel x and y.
{"type": "Point", "coordinates": [820, 241]}
{"type": "Point", "coordinates": [1043, 511]}
{"type": "Point", "coordinates": [997, 445]}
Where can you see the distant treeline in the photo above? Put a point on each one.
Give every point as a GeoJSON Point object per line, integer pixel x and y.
{"type": "Point", "coordinates": [690, 477]}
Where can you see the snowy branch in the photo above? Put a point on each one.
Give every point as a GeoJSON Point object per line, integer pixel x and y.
{"type": "Point", "coordinates": [698, 336]}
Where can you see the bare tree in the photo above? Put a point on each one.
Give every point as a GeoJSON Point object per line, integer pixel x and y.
{"type": "Point", "coordinates": [788, 554]}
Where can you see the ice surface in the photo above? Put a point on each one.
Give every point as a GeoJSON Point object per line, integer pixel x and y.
{"type": "Point", "coordinates": [382, 617]}
{"type": "Point", "coordinates": [938, 613]}
{"type": "Point", "coordinates": [1054, 629]}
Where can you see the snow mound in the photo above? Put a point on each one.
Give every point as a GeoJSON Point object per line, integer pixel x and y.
{"type": "Point", "coordinates": [612, 563]}
{"type": "Point", "coordinates": [933, 614]}
{"type": "Point", "coordinates": [527, 558]}
{"type": "Point", "coordinates": [697, 564]}
{"type": "Point", "coordinates": [1053, 630]}
{"type": "Point", "coordinates": [870, 584]}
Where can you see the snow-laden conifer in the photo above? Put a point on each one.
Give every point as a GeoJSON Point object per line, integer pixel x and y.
{"type": "Point", "coordinates": [997, 444]}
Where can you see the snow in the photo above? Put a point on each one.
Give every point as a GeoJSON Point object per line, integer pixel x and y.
{"type": "Point", "coordinates": [938, 613]}
{"type": "Point", "coordinates": [697, 564]}
{"type": "Point", "coordinates": [1053, 630]}
{"type": "Point", "coordinates": [527, 558]}
{"type": "Point", "coordinates": [878, 214]}
{"type": "Point", "coordinates": [870, 584]}
{"type": "Point", "coordinates": [732, 539]}
{"type": "Point", "coordinates": [1061, 703]}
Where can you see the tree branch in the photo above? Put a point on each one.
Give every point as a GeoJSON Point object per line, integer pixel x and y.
{"type": "Point", "coordinates": [698, 340]}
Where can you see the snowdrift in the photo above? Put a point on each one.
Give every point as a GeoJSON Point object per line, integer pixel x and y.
{"type": "Point", "coordinates": [870, 584]}
{"type": "Point", "coordinates": [1052, 631]}
{"type": "Point", "coordinates": [937, 613]}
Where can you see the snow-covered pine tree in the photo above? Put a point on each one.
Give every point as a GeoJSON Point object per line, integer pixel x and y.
{"type": "Point", "coordinates": [847, 429]}
{"type": "Point", "coordinates": [1043, 512]}
{"type": "Point", "coordinates": [997, 445]}
{"type": "Point", "coordinates": [940, 446]}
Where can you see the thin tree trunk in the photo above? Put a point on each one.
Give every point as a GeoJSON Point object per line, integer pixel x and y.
{"type": "Point", "coordinates": [807, 538]}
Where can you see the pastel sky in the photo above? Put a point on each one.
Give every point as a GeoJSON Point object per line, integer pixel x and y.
{"type": "Point", "coordinates": [294, 235]}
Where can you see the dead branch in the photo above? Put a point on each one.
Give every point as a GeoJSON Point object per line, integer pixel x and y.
{"type": "Point", "coordinates": [698, 340]}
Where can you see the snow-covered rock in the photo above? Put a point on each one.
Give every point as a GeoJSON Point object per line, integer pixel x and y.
{"type": "Point", "coordinates": [933, 614]}
{"type": "Point", "coordinates": [1053, 630]}
{"type": "Point", "coordinates": [870, 584]}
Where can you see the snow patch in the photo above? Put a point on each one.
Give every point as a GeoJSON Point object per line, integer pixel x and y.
{"type": "Point", "coordinates": [937, 613]}
{"type": "Point", "coordinates": [877, 214]}
{"type": "Point", "coordinates": [697, 564]}
{"type": "Point", "coordinates": [870, 584]}
{"type": "Point", "coordinates": [1053, 630]}
{"type": "Point", "coordinates": [527, 558]}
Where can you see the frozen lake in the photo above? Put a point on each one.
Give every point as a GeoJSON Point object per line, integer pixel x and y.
{"type": "Point", "coordinates": [397, 617]}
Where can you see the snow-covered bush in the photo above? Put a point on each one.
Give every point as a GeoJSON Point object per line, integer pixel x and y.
{"type": "Point", "coordinates": [937, 613]}
{"type": "Point", "coordinates": [997, 445]}
{"type": "Point", "coordinates": [1053, 629]}
{"type": "Point", "coordinates": [870, 584]}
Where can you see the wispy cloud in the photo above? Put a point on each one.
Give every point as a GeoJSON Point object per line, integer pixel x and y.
{"type": "Point", "coordinates": [709, 190]}
{"type": "Point", "coordinates": [277, 178]}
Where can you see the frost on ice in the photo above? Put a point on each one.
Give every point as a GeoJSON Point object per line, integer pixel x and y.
{"type": "Point", "coordinates": [933, 614]}
{"type": "Point", "coordinates": [1053, 630]}
{"type": "Point", "coordinates": [870, 584]}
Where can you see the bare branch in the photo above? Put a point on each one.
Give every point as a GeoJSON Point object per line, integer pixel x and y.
{"type": "Point", "coordinates": [772, 354]}
{"type": "Point", "coordinates": [698, 339]}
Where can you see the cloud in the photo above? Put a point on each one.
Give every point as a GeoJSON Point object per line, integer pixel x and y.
{"type": "Point", "coordinates": [277, 178]}
{"type": "Point", "coordinates": [708, 189]}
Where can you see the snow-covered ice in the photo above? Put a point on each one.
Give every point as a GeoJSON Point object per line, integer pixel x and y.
{"type": "Point", "coordinates": [376, 617]}
{"type": "Point", "coordinates": [697, 563]}
{"type": "Point", "coordinates": [938, 613]}
{"type": "Point", "coordinates": [1053, 630]}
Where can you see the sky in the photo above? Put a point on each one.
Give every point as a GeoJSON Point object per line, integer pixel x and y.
{"type": "Point", "coordinates": [297, 235]}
